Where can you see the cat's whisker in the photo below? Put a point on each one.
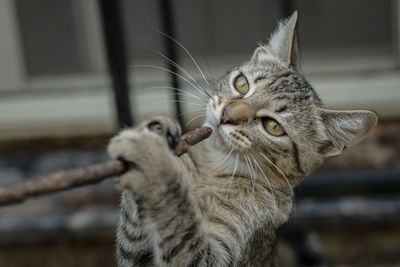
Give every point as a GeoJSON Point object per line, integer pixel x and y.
{"type": "Point", "coordinates": [279, 170]}
{"type": "Point", "coordinates": [194, 99]}
{"type": "Point", "coordinates": [236, 163]}
{"type": "Point", "coordinates": [178, 66]}
{"type": "Point", "coordinates": [174, 88]}
{"type": "Point", "coordinates": [195, 117]}
{"type": "Point", "coordinates": [170, 61]}
{"type": "Point", "coordinates": [220, 164]}
{"type": "Point", "coordinates": [284, 176]}
{"type": "Point", "coordinates": [269, 184]}
{"type": "Point", "coordinates": [182, 101]}
{"type": "Point", "coordinates": [187, 52]}
{"type": "Point", "coordinates": [247, 165]}
{"type": "Point", "coordinates": [250, 172]}
{"type": "Point", "coordinates": [254, 173]}
{"type": "Point", "coordinates": [202, 104]}
{"type": "Point", "coordinates": [178, 75]}
{"type": "Point", "coordinates": [211, 77]}
{"type": "Point", "coordinates": [227, 156]}
{"type": "Point", "coordinates": [191, 111]}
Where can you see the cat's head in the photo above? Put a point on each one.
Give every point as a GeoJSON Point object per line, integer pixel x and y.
{"type": "Point", "coordinates": [266, 115]}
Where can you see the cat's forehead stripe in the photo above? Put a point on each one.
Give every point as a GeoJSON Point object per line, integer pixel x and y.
{"type": "Point", "coordinates": [281, 109]}
{"type": "Point", "coordinates": [260, 77]}
{"type": "Point", "coordinates": [286, 75]}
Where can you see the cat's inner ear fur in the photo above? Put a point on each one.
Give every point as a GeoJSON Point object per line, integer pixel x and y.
{"type": "Point", "coordinates": [345, 128]}
{"type": "Point", "coordinates": [282, 44]}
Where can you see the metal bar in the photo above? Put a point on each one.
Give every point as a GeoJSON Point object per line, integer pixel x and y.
{"type": "Point", "coordinates": [116, 58]}
{"type": "Point", "coordinates": [395, 12]}
{"type": "Point", "coordinates": [344, 183]}
{"type": "Point", "coordinates": [168, 28]}
{"type": "Point", "coordinates": [12, 72]}
{"type": "Point", "coordinates": [348, 211]}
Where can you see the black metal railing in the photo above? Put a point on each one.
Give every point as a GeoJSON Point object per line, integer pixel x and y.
{"type": "Point", "coordinates": [116, 54]}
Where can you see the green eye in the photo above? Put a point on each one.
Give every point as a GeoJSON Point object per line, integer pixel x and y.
{"type": "Point", "coordinates": [241, 85]}
{"type": "Point", "coordinates": [273, 127]}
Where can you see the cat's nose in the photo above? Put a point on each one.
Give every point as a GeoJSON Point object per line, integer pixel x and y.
{"type": "Point", "coordinates": [237, 113]}
{"type": "Point", "coordinates": [226, 118]}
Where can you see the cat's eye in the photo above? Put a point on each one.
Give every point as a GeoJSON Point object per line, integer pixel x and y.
{"type": "Point", "coordinates": [241, 85]}
{"type": "Point", "coordinates": [273, 127]}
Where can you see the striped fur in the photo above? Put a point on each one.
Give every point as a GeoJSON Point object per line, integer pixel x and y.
{"type": "Point", "coordinates": [222, 202]}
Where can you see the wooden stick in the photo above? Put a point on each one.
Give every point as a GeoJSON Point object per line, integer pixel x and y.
{"type": "Point", "coordinates": [91, 174]}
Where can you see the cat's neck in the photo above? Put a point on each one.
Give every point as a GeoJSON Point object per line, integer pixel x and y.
{"type": "Point", "coordinates": [219, 162]}
{"type": "Point", "coordinates": [271, 200]}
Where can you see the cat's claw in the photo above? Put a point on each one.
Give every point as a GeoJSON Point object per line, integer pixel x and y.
{"type": "Point", "coordinates": [167, 128]}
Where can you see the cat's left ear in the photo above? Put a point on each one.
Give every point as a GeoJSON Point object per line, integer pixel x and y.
{"type": "Point", "coordinates": [282, 44]}
{"type": "Point", "coordinates": [345, 128]}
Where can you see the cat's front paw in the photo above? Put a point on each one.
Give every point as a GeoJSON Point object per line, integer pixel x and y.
{"type": "Point", "coordinates": [166, 128]}
{"type": "Point", "coordinates": [150, 149]}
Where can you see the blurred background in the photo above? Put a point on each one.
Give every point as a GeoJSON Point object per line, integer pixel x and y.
{"type": "Point", "coordinates": [72, 72]}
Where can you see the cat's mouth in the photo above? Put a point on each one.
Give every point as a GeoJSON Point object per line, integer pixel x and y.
{"type": "Point", "coordinates": [217, 132]}
{"type": "Point", "coordinates": [234, 137]}
{"type": "Point", "coordinates": [220, 133]}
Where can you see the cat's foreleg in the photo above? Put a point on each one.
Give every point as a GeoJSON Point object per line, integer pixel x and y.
{"type": "Point", "coordinates": [180, 236]}
{"type": "Point", "coordinates": [134, 237]}
{"type": "Point", "coordinates": [134, 244]}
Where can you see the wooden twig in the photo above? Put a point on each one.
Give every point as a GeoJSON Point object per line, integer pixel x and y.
{"type": "Point", "coordinates": [91, 174]}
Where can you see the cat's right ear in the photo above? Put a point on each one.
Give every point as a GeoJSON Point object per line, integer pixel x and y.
{"type": "Point", "coordinates": [282, 44]}
{"type": "Point", "coordinates": [345, 128]}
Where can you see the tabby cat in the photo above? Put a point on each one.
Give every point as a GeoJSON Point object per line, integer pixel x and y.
{"type": "Point", "coordinates": [222, 202]}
